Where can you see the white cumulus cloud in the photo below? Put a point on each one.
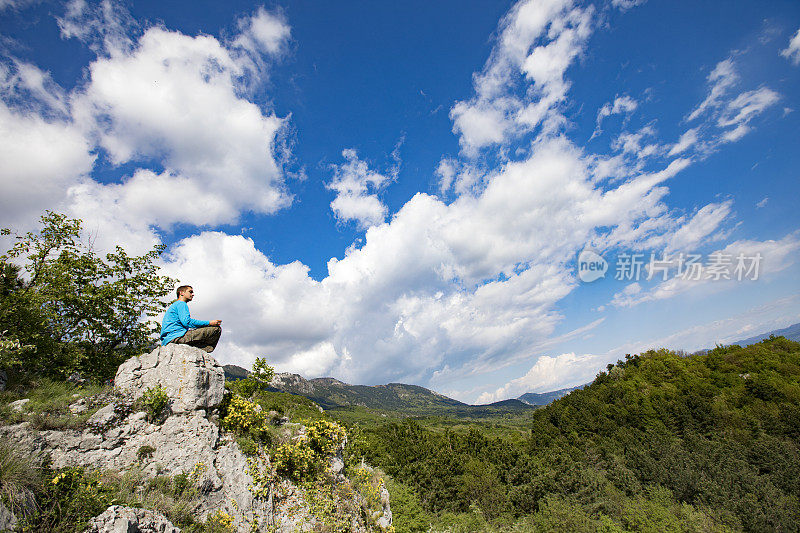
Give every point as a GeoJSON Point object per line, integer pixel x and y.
{"type": "Point", "coordinates": [356, 189]}
{"type": "Point", "coordinates": [41, 158]}
{"type": "Point", "coordinates": [549, 373]}
{"type": "Point", "coordinates": [161, 100]}
{"type": "Point", "coordinates": [792, 52]}
{"type": "Point", "coordinates": [264, 32]}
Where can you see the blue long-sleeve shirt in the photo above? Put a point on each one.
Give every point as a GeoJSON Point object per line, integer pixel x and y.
{"type": "Point", "coordinates": [177, 322]}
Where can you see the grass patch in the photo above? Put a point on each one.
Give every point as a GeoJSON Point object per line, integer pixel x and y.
{"type": "Point", "coordinates": [67, 499]}
{"type": "Point", "coordinates": [49, 403]}
{"type": "Point", "coordinates": [18, 480]}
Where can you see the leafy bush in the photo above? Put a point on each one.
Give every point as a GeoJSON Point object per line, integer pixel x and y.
{"type": "Point", "coordinates": [262, 373]}
{"type": "Point", "coordinates": [67, 499]}
{"type": "Point", "coordinates": [305, 457]}
{"type": "Point", "coordinates": [76, 310]}
{"type": "Point", "coordinates": [247, 445]}
{"type": "Point", "coordinates": [154, 401]}
{"type": "Point", "coordinates": [333, 504]}
{"type": "Point", "coordinates": [12, 351]}
{"type": "Point", "coordinates": [257, 380]}
{"type": "Point", "coordinates": [219, 522]}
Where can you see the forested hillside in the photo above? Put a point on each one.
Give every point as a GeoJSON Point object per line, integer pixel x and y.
{"type": "Point", "coordinates": [658, 442]}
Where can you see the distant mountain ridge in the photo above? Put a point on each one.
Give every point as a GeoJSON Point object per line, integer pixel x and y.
{"type": "Point", "coordinates": [330, 393]}
{"type": "Point", "coordinates": [545, 398]}
{"type": "Point", "coordinates": [790, 332]}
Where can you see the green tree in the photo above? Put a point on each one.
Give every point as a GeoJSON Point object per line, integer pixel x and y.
{"type": "Point", "coordinates": [78, 310]}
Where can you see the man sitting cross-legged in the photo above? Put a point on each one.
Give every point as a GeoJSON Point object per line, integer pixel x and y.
{"type": "Point", "coordinates": [179, 327]}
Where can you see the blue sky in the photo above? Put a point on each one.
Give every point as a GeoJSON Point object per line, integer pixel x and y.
{"type": "Point", "coordinates": [388, 192]}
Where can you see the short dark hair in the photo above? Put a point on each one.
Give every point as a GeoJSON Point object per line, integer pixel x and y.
{"type": "Point", "coordinates": [182, 288]}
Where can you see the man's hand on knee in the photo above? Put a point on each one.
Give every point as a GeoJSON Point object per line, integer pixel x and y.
{"type": "Point", "coordinates": [216, 322]}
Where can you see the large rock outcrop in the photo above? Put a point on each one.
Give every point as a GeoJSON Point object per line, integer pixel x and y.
{"type": "Point", "coordinates": [192, 378]}
{"type": "Point", "coordinates": [189, 440]}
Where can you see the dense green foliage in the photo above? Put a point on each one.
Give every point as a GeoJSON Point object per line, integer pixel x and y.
{"type": "Point", "coordinates": [658, 442]}
{"type": "Point", "coordinates": [63, 308]}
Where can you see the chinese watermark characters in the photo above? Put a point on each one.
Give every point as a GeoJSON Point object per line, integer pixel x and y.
{"type": "Point", "coordinates": [716, 266]}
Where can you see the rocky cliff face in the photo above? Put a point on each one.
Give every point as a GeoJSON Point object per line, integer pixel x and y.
{"type": "Point", "coordinates": [188, 440]}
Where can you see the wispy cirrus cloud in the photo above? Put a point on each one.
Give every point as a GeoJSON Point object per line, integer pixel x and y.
{"type": "Point", "coordinates": [739, 261]}
{"type": "Point", "coordinates": [571, 369]}
{"type": "Point", "coordinates": [730, 115]}
{"type": "Point", "coordinates": [622, 105]}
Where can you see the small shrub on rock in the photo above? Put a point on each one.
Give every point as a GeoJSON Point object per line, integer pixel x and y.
{"type": "Point", "coordinates": [154, 401]}
{"type": "Point", "coordinates": [244, 417]}
{"type": "Point", "coordinates": [247, 445]}
{"type": "Point", "coordinates": [145, 452]}
{"type": "Point", "coordinates": [71, 498]}
{"type": "Point", "coordinates": [303, 459]}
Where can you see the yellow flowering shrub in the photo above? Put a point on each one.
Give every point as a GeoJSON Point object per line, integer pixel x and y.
{"type": "Point", "coordinates": [325, 437]}
{"type": "Point", "coordinates": [242, 416]}
{"type": "Point", "coordinates": [296, 460]}
{"type": "Point", "coordinates": [197, 471]}
{"type": "Point", "coordinates": [219, 522]}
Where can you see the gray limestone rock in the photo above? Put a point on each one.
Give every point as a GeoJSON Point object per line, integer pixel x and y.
{"type": "Point", "coordinates": [385, 520]}
{"type": "Point", "coordinates": [18, 405]}
{"type": "Point", "coordinates": [192, 378]}
{"type": "Point", "coordinates": [8, 521]}
{"type": "Point", "coordinates": [120, 519]}
{"type": "Point", "coordinates": [78, 407]}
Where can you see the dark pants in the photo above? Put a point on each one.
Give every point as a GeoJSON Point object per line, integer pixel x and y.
{"type": "Point", "coordinates": [205, 338]}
